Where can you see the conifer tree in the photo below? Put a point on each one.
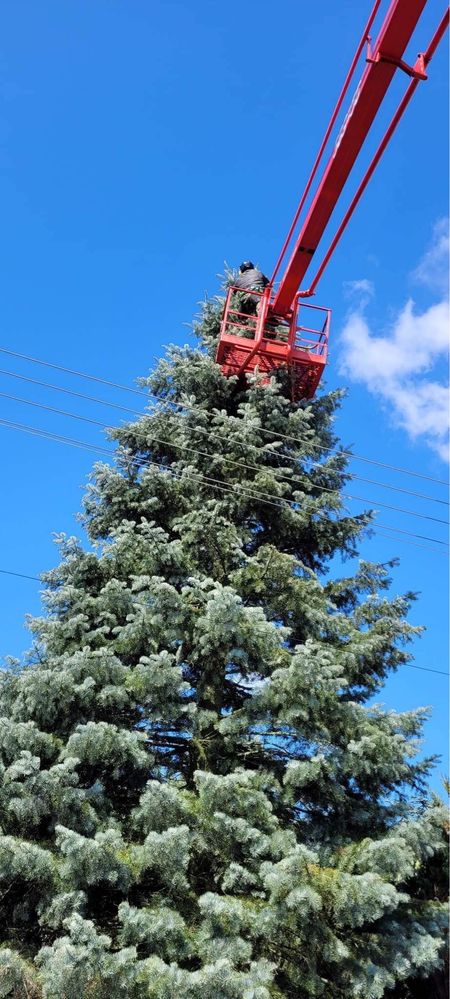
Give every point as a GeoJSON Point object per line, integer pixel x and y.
{"type": "Point", "coordinates": [198, 798]}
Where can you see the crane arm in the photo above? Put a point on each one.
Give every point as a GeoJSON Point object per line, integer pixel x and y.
{"type": "Point", "coordinates": [427, 56]}
{"type": "Point", "coordinates": [398, 26]}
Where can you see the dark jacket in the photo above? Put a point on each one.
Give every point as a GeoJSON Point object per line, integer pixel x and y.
{"type": "Point", "coordinates": [252, 280]}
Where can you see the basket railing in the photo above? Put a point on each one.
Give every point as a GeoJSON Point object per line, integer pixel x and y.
{"type": "Point", "coordinates": [307, 330]}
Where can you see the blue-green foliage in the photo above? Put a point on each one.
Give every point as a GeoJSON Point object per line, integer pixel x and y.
{"type": "Point", "coordinates": [196, 799]}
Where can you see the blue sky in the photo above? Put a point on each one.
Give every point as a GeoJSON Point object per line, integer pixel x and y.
{"type": "Point", "coordinates": [141, 146]}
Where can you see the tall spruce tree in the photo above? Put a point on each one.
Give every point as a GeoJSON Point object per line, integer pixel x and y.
{"type": "Point", "coordinates": [198, 797]}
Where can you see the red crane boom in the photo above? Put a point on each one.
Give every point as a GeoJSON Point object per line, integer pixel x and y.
{"type": "Point", "coordinates": [246, 342]}
{"type": "Point", "coordinates": [394, 36]}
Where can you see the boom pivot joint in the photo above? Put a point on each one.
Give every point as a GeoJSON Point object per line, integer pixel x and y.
{"type": "Point", "coordinates": [417, 72]}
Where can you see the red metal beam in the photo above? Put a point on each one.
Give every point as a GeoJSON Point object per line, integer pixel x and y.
{"type": "Point", "coordinates": [425, 60]}
{"type": "Point", "coordinates": [395, 33]}
{"type": "Point", "coordinates": [365, 37]}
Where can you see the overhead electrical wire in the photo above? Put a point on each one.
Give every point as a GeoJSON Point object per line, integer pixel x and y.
{"type": "Point", "coordinates": [427, 669]}
{"type": "Point", "coordinates": [351, 454]}
{"type": "Point", "coordinates": [267, 498]}
{"type": "Point", "coordinates": [231, 461]}
{"type": "Point", "coordinates": [72, 371]}
{"type": "Point", "coordinates": [279, 502]}
{"type": "Point", "coordinates": [66, 391]}
{"type": "Point", "coordinates": [38, 579]}
{"type": "Point", "coordinates": [414, 544]}
{"type": "Point", "coordinates": [423, 537]}
{"type": "Point", "coordinates": [317, 464]}
{"type": "Point", "coordinates": [213, 436]}
{"type": "Point", "coordinates": [274, 433]}
{"type": "Point", "coordinates": [21, 575]}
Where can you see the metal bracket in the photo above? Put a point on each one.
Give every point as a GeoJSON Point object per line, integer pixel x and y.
{"type": "Point", "coordinates": [417, 72]}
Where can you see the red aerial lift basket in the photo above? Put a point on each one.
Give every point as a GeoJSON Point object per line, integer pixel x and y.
{"type": "Point", "coordinates": [252, 337]}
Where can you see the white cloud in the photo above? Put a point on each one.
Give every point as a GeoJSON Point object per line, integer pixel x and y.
{"type": "Point", "coordinates": [361, 288]}
{"type": "Point", "coordinates": [432, 270]}
{"type": "Point", "coordinates": [398, 366]}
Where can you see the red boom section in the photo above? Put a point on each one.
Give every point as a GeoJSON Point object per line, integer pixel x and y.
{"type": "Point", "coordinates": [387, 53]}
{"type": "Point", "coordinates": [422, 62]}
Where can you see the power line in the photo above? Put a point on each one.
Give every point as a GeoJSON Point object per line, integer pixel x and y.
{"type": "Point", "coordinates": [359, 457]}
{"type": "Point", "coordinates": [381, 534]}
{"type": "Point", "coordinates": [280, 502]}
{"type": "Point", "coordinates": [216, 483]}
{"type": "Point", "coordinates": [423, 537]}
{"type": "Point", "coordinates": [427, 669]}
{"type": "Point", "coordinates": [231, 461]}
{"type": "Point", "coordinates": [21, 575]}
{"type": "Point", "coordinates": [275, 433]}
{"type": "Point", "coordinates": [78, 395]}
{"type": "Point", "coordinates": [348, 475]}
{"type": "Point", "coordinates": [37, 579]}
{"type": "Point", "coordinates": [317, 464]}
{"type": "Point", "coordinates": [71, 371]}
{"type": "Point", "coordinates": [212, 436]}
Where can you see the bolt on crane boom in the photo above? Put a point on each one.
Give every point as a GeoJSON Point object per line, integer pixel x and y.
{"type": "Point", "coordinates": [276, 334]}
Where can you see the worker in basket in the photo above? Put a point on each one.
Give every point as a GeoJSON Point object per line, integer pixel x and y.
{"type": "Point", "coordinates": [252, 279]}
